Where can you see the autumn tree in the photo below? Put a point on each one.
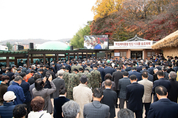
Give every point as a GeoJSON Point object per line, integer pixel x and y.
{"type": "Point", "coordinates": [78, 39]}
{"type": "Point", "coordinates": [149, 19]}
{"type": "Point", "coordinates": [103, 8]}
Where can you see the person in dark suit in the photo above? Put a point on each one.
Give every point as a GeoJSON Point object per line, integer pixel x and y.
{"type": "Point", "coordinates": [170, 69]}
{"type": "Point", "coordinates": [137, 74]}
{"type": "Point", "coordinates": [150, 69]}
{"type": "Point", "coordinates": [117, 75]}
{"type": "Point", "coordinates": [59, 101]}
{"type": "Point", "coordinates": [96, 109]}
{"type": "Point", "coordinates": [122, 87]}
{"type": "Point", "coordinates": [10, 74]}
{"type": "Point", "coordinates": [110, 98]}
{"type": "Point", "coordinates": [109, 69]}
{"type": "Point", "coordinates": [165, 73]}
{"type": "Point", "coordinates": [101, 70]}
{"type": "Point", "coordinates": [157, 65]}
{"type": "Point", "coordinates": [163, 108]}
{"type": "Point", "coordinates": [161, 81]}
{"type": "Point", "coordinates": [134, 96]}
{"type": "Point", "coordinates": [139, 67]}
{"type": "Point", "coordinates": [128, 68]}
{"type": "Point", "coordinates": [58, 82]}
{"type": "Point", "coordinates": [173, 92]}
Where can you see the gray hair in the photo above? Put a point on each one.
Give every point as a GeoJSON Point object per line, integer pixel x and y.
{"type": "Point", "coordinates": [33, 66]}
{"type": "Point", "coordinates": [125, 113]}
{"type": "Point", "coordinates": [17, 78]}
{"type": "Point", "coordinates": [172, 75]}
{"type": "Point", "coordinates": [70, 109]}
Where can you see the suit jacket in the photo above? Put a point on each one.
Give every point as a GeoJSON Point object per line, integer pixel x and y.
{"type": "Point", "coordinates": [136, 74]}
{"type": "Point", "coordinates": [150, 70]}
{"type": "Point", "coordinates": [58, 102]}
{"type": "Point", "coordinates": [128, 69]}
{"type": "Point", "coordinates": [96, 110]}
{"type": "Point", "coordinates": [163, 108]}
{"type": "Point", "coordinates": [110, 99]}
{"type": "Point", "coordinates": [134, 96]}
{"type": "Point", "coordinates": [116, 76]}
{"type": "Point", "coordinates": [139, 68]}
{"type": "Point", "coordinates": [122, 87]}
{"type": "Point", "coordinates": [108, 70]}
{"type": "Point", "coordinates": [58, 82]}
{"type": "Point", "coordinates": [101, 70]}
{"type": "Point", "coordinates": [148, 85]}
{"type": "Point", "coordinates": [150, 77]}
{"type": "Point", "coordinates": [162, 82]}
{"type": "Point", "coordinates": [166, 75]}
{"type": "Point", "coordinates": [173, 92]}
{"type": "Point", "coordinates": [82, 94]}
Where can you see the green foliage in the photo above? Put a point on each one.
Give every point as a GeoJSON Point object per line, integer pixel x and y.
{"type": "Point", "coordinates": [78, 40]}
{"type": "Point", "coordinates": [9, 45]}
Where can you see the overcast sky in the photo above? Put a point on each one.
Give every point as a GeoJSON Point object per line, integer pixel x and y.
{"type": "Point", "coordinates": [44, 19]}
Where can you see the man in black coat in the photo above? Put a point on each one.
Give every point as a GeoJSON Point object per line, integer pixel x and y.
{"type": "Point", "coordinates": [161, 81]}
{"type": "Point", "coordinates": [116, 76]}
{"type": "Point", "coordinates": [122, 83]}
{"type": "Point", "coordinates": [163, 108]}
{"type": "Point", "coordinates": [173, 92]}
{"type": "Point", "coordinates": [110, 97]}
{"type": "Point", "coordinates": [137, 74]}
{"type": "Point", "coordinates": [170, 69]}
{"type": "Point", "coordinates": [128, 68]}
{"type": "Point", "coordinates": [150, 69]}
{"type": "Point", "coordinates": [134, 96]}
{"type": "Point", "coordinates": [101, 70]}
{"type": "Point", "coordinates": [108, 69]}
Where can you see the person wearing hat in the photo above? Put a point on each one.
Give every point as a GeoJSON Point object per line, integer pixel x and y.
{"type": "Point", "coordinates": [79, 65]}
{"type": "Point", "coordinates": [40, 72]}
{"type": "Point", "coordinates": [80, 72]}
{"type": "Point", "coordinates": [6, 110]}
{"type": "Point", "coordinates": [66, 76]}
{"type": "Point", "coordinates": [58, 82]}
{"type": "Point", "coordinates": [74, 66]}
{"type": "Point", "coordinates": [82, 94]}
{"type": "Point", "coordinates": [18, 72]}
{"type": "Point", "coordinates": [89, 76]}
{"type": "Point", "coordinates": [96, 78]}
{"type": "Point", "coordinates": [73, 81]}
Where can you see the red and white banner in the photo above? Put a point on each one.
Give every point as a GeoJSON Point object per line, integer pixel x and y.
{"type": "Point", "coordinates": [135, 44]}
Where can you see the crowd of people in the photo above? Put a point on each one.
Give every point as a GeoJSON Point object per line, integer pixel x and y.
{"type": "Point", "coordinates": [91, 88]}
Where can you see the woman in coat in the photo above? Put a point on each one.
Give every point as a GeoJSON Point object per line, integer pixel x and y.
{"type": "Point", "coordinates": [39, 90]}
{"type": "Point", "coordinates": [37, 105]}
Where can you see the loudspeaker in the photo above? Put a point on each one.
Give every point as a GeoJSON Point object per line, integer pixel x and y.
{"type": "Point", "coordinates": [31, 46]}
{"type": "Point", "coordinates": [71, 47]}
{"type": "Point", "coordinates": [20, 47]}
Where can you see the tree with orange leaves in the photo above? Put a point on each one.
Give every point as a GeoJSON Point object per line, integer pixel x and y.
{"type": "Point", "coordinates": [103, 8]}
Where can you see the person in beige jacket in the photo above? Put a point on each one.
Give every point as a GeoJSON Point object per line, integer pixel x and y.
{"type": "Point", "coordinates": [82, 94]}
{"type": "Point", "coordinates": [148, 85]}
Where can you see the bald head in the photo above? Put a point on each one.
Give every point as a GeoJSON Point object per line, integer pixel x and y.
{"type": "Point", "coordinates": [107, 83]}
